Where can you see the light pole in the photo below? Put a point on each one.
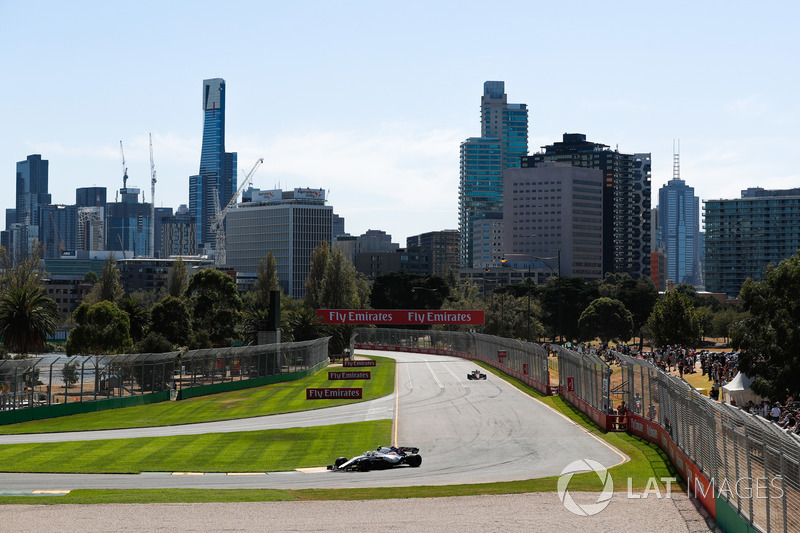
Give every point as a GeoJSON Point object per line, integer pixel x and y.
{"type": "Point", "coordinates": [558, 285]}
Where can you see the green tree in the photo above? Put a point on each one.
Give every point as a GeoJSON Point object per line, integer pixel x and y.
{"type": "Point", "coordinates": [267, 280]}
{"type": "Point", "coordinates": [172, 320]}
{"type": "Point", "coordinates": [316, 276]}
{"type": "Point", "coordinates": [769, 335]}
{"type": "Point", "coordinates": [563, 300]}
{"type": "Point", "coordinates": [706, 317]}
{"type": "Point", "coordinates": [507, 316]}
{"type": "Point", "coordinates": [724, 322]}
{"type": "Point", "coordinates": [304, 325]}
{"type": "Point", "coordinates": [103, 328]}
{"type": "Point", "coordinates": [215, 304]}
{"type": "Point", "coordinates": [638, 297]}
{"type": "Point", "coordinates": [178, 279]}
{"type": "Point", "coordinates": [138, 317]}
{"type": "Point", "coordinates": [24, 272]}
{"type": "Point", "coordinates": [339, 290]}
{"type": "Point", "coordinates": [27, 317]}
{"type": "Point", "coordinates": [463, 296]}
{"type": "Point", "coordinates": [69, 373]}
{"type": "Point", "coordinates": [153, 342]}
{"type": "Point", "coordinates": [109, 287]}
{"type": "Point", "coordinates": [401, 290]}
{"type": "Point", "coordinates": [606, 319]}
{"type": "Point", "coordinates": [674, 321]}
{"type": "Point", "coordinates": [199, 339]}
{"type": "Point", "coordinates": [254, 319]}
{"type": "Point", "coordinates": [91, 277]}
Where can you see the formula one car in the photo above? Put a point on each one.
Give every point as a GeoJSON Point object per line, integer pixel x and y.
{"type": "Point", "coordinates": [382, 458]}
{"type": "Point", "coordinates": [476, 374]}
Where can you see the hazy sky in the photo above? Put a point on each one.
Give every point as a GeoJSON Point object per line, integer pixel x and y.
{"type": "Point", "coordinates": [370, 100]}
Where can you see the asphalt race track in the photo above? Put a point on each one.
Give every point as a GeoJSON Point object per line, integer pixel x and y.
{"type": "Point", "coordinates": [467, 432]}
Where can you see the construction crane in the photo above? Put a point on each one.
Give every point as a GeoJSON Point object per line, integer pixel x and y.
{"type": "Point", "coordinates": [218, 222]}
{"type": "Point", "coordinates": [153, 200]}
{"type": "Point", "coordinates": [124, 167]}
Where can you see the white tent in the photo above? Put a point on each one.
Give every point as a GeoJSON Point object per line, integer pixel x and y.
{"type": "Point", "coordinates": [739, 389]}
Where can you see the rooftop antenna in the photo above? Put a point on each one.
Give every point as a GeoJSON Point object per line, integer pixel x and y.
{"type": "Point", "coordinates": [676, 159]}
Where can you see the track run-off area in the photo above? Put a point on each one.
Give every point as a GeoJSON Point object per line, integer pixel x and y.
{"type": "Point", "coordinates": [468, 431]}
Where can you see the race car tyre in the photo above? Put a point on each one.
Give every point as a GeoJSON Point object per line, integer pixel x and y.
{"type": "Point", "coordinates": [414, 460]}
{"type": "Point", "coordinates": [339, 462]}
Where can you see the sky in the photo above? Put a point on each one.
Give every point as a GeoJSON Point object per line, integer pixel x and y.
{"type": "Point", "coordinates": [370, 100]}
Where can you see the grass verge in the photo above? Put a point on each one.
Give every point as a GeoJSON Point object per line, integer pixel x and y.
{"type": "Point", "coordinates": [248, 451]}
{"type": "Point", "coordinates": [647, 461]}
{"type": "Point", "coordinates": [287, 397]}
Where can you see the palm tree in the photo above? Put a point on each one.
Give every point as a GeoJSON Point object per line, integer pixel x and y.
{"type": "Point", "coordinates": [305, 325]}
{"type": "Point", "coordinates": [27, 317]}
{"type": "Point", "coordinates": [138, 315]}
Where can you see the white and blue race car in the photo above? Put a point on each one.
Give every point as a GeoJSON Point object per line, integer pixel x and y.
{"type": "Point", "coordinates": [382, 458]}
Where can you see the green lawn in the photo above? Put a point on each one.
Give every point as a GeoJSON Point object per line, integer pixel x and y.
{"type": "Point", "coordinates": [287, 397]}
{"type": "Point", "coordinates": [259, 451]}
{"type": "Point", "coordinates": [247, 451]}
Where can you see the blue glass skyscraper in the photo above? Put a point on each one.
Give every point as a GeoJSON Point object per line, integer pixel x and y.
{"type": "Point", "coordinates": [32, 178]}
{"type": "Point", "coordinates": [679, 224]}
{"type": "Point", "coordinates": [217, 176]}
{"type": "Point", "coordinates": [503, 141]}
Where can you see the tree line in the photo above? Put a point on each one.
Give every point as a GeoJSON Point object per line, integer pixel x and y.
{"type": "Point", "coordinates": [206, 310]}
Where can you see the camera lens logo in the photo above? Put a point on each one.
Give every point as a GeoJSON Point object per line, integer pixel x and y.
{"type": "Point", "coordinates": [578, 467]}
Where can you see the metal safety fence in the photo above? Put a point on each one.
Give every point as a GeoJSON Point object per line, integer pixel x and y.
{"type": "Point", "coordinates": [54, 379]}
{"type": "Point", "coordinates": [585, 375]}
{"type": "Point", "coordinates": [524, 360]}
{"type": "Point", "coordinates": [751, 464]}
{"type": "Point", "coordinates": [743, 468]}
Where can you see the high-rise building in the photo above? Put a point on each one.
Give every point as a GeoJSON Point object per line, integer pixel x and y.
{"type": "Point", "coordinates": [626, 199]}
{"type": "Point", "coordinates": [178, 235]}
{"type": "Point", "coordinates": [215, 183]}
{"type": "Point", "coordinates": [59, 230]}
{"type": "Point", "coordinates": [487, 240]}
{"type": "Point", "coordinates": [32, 178]}
{"type": "Point", "coordinates": [290, 223]}
{"type": "Point", "coordinates": [503, 140]}
{"type": "Point", "coordinates": [23, 222]}
{"type": "Point", "coordinates": [90, 196]}
{"type": "Point", "coordinates": [128, 224]}
{"type": "Point", "coordinates": [442, 246]}
{"type": "Point", "coordinates": [679, 224]}
{"type": "Point", "coordinates": [745, 235]}
{"type": "Point", "coordinates": [553, 212]}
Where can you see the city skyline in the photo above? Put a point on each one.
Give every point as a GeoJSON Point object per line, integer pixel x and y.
{"type": "Point", "coordinates": [372, 102]}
